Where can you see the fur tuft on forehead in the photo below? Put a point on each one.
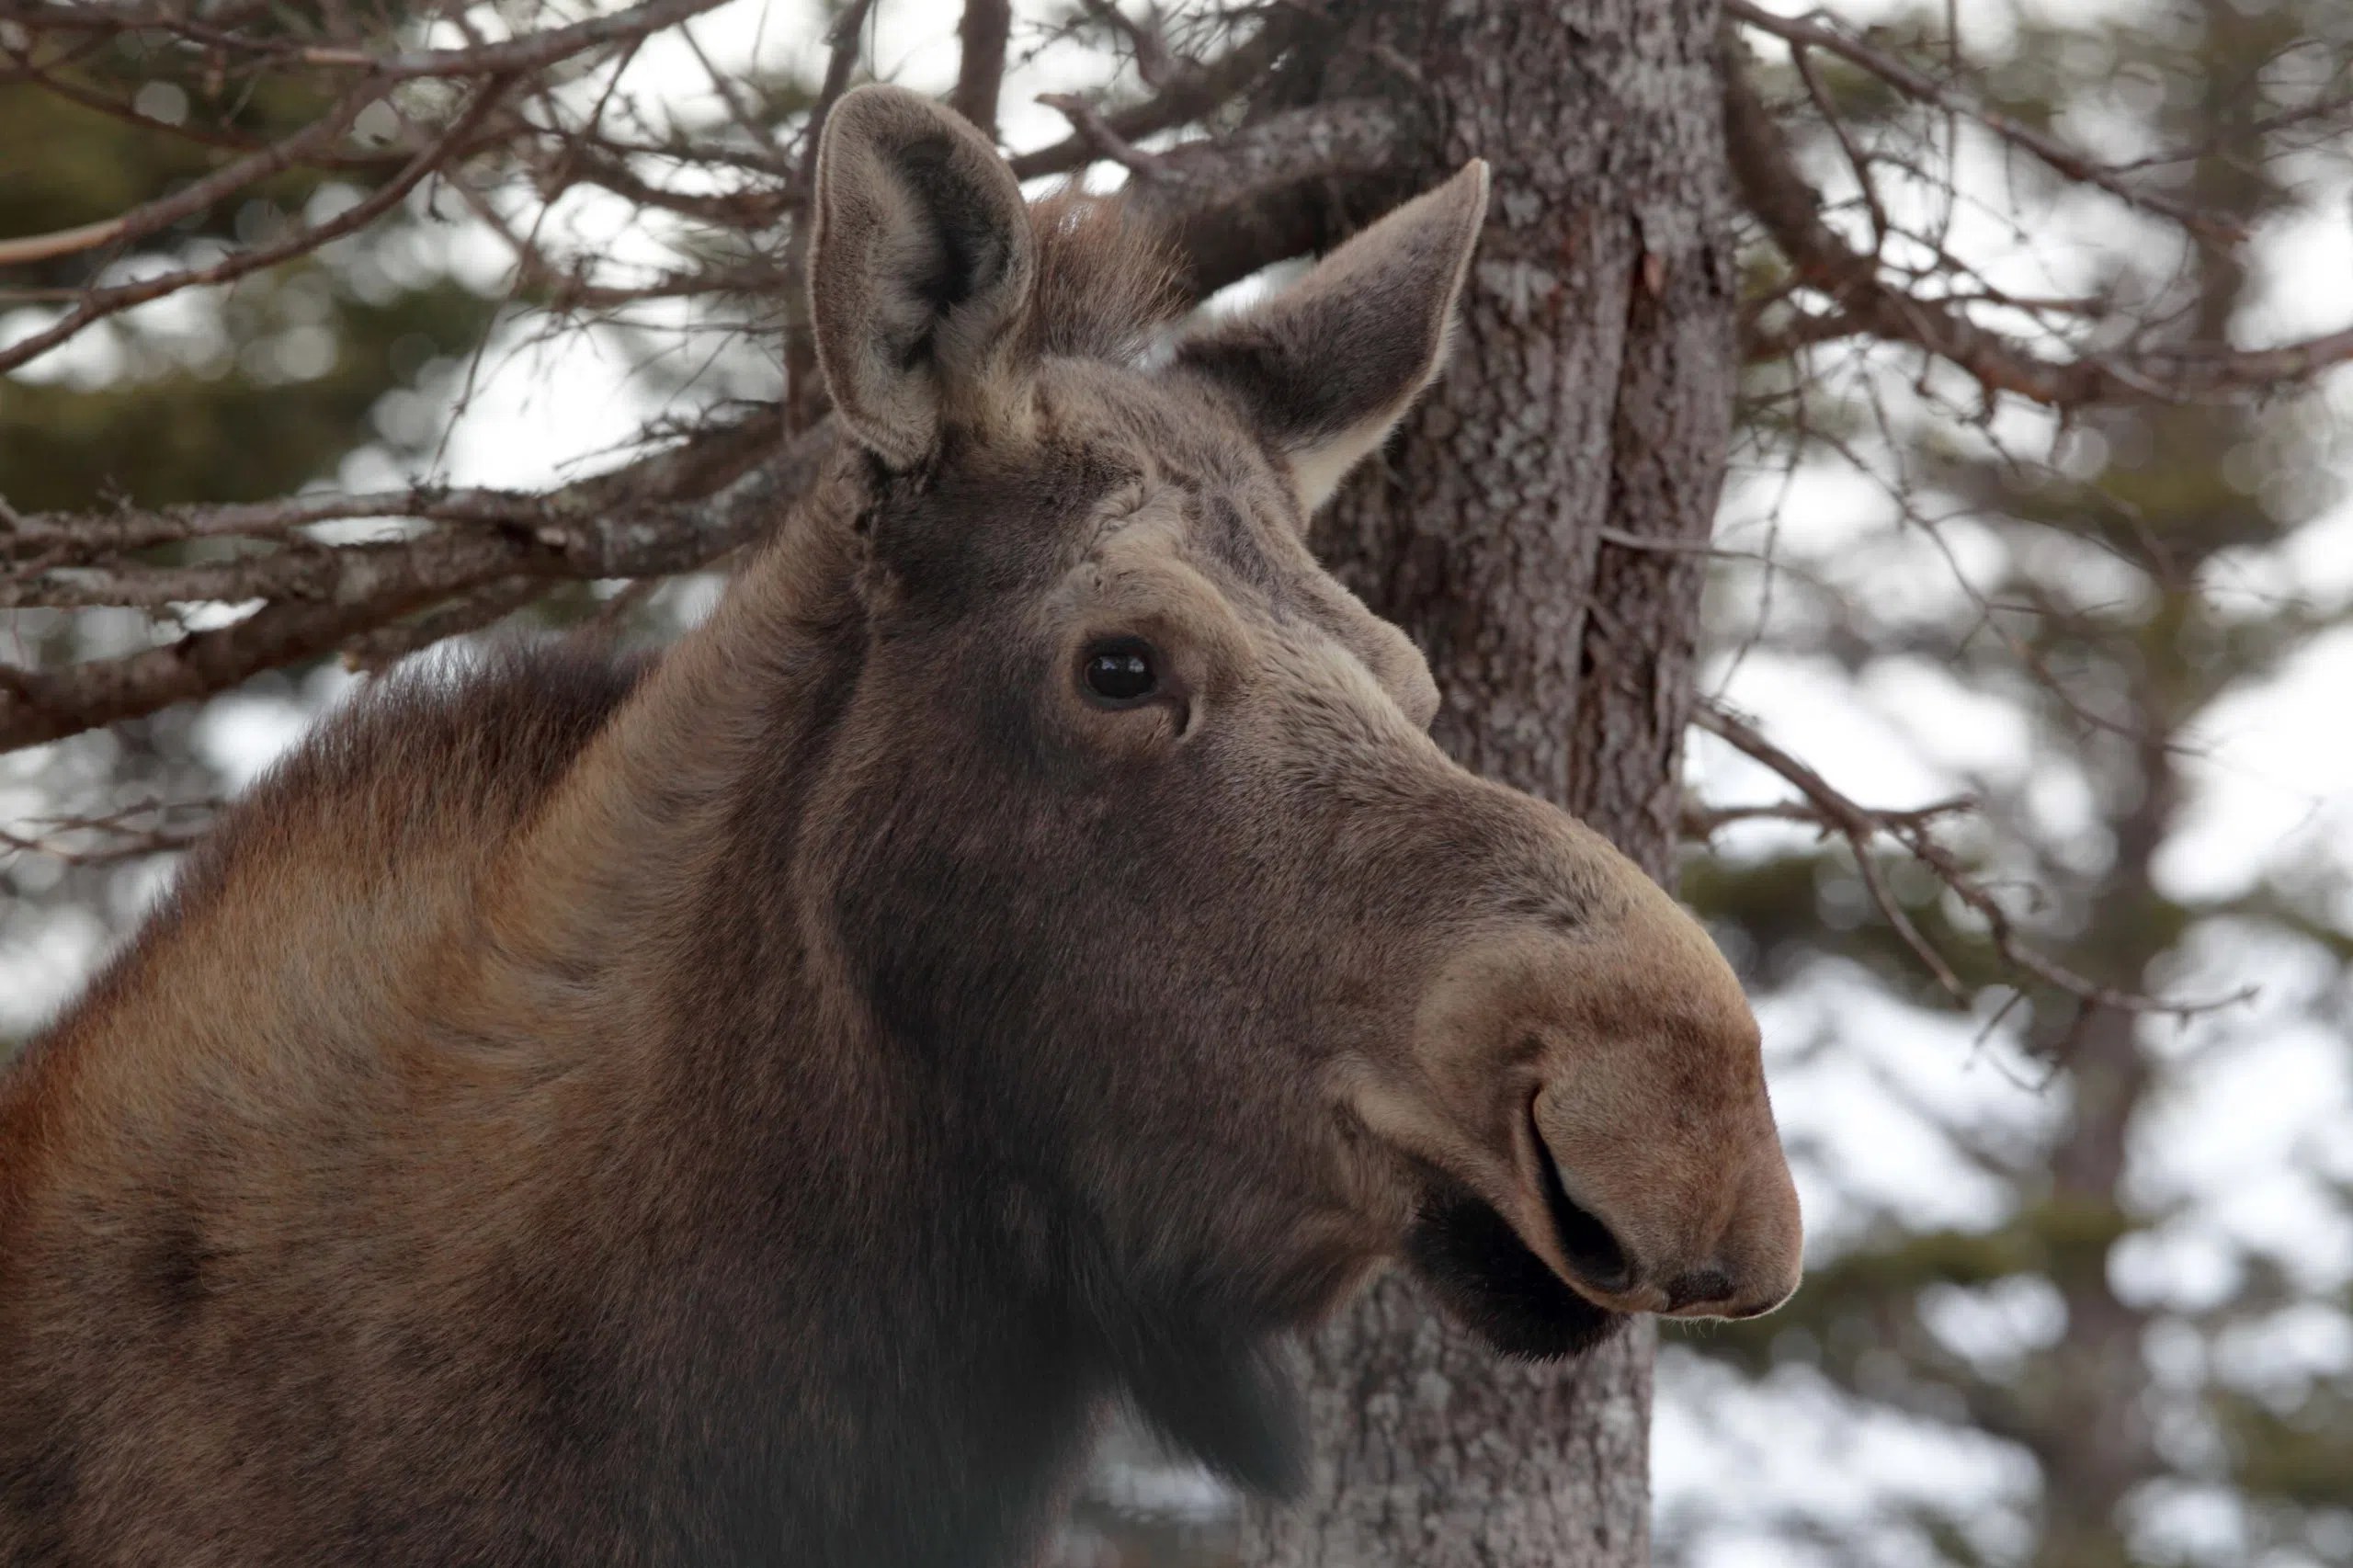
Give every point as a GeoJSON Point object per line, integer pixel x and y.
{"type": "Point", "coordinates": [1104, 282]}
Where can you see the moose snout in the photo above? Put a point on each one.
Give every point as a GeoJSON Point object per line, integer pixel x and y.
{"type": "Point", "coordinates": [1751, 1273]}
{"type": "Point", "coordinates": [1601, 1088]}
{"type": "Point", "coordinates": [1693, 1226]}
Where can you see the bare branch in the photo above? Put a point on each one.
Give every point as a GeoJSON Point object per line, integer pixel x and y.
{"type": "Point", "coordinates": [155, 217]}
{"type": "Point", "coordinates": [1701, 821]}
{"type": "Point", "coordinates": [64, 538]}
{"type": "Point", "coordinates": [1230, 205]}
{"type": "Point", "coordinates": [979, 73]}
{"type": "Point", "coordinates": [374, 652]}
{"type": "Point", "coordinates": [742, 209]}
{"type": "Point", "coordinates": [1913, 830]}
{"type": "Point", "coordinates": [1145, 42]}
{"type": "Point", "coordinates": [1107, 142]}
{"type": "Point", "coordinates": [530, 51]}
{"type": "Point", "coordinates": [49, 80]}
{"type": "Point", "coordinates": [1186, 98]}
{"type": "Point", "coordinates": [509, 58]}
{"type": "Point", "coordinates": [1856, 162]}
{"type": "Point", "coordinates": [102, 20]}
{"type": "Point", "coordinates": [1801, 33]}
{"type": "Point", "coordinates": [41, 705]}
{"type": "Point", "coordinates": [111, 839]}
{"type": "Point", "coordinates": [839, 66]}
{"type": "Point", "coordinates": [699, 463]}
{"type": "Point", "coordinates": [587, 532]}
{"type": "Point", "coordinates": [97, 303]}
{"type": "Point", "coordinates": [1792, 210]}
{"type": "Point", "coordinates": [65, 242]}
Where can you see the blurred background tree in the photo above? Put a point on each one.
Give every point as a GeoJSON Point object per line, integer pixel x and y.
{"type": "Point", "coordinates": [2129, 1320]}
{"type": "Point", "coordinates": [230, 398]}
{"type": "Point", "coordinates": [2033, 505]}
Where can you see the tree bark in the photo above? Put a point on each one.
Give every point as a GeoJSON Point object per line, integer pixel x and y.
{"type": "Point", "coordinates": [1586, 408]}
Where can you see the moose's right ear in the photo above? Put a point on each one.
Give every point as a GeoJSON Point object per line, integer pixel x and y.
{"type": "Point", "coordinates": [920, 268]}
{"type": "Point", "coordinates": [1326, 368]}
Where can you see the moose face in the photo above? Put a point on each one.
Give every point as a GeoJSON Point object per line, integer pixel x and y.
{"type": "Point", "coordinates": [1137, 838]}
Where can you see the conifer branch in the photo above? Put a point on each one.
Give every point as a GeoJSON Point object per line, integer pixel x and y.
{"type": "Point", "coordinates": [1803, 33]}
{"type": "Point", "coordinates": [1865, 303]}
{"type": "Point", "coordinates": [1914, 831]}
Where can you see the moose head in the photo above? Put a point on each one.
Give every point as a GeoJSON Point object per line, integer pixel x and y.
{"type": "Point", "coordinates": [1205, 910]}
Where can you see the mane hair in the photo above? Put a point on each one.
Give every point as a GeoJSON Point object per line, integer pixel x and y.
{"type": "Point", "coordinates": [503, 723]}
{"type": "Point", "coordinates": [1106, 284]}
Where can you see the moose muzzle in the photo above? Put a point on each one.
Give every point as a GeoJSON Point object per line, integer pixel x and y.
{"type": "Point", "coordinates": [1593, 1082]}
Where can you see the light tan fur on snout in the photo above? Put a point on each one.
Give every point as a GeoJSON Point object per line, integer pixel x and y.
{"type": "Point", "coordinates": [1631, 1052]}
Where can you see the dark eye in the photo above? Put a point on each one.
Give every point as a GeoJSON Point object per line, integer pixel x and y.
{"type": "Point", "coordinates": [1121, 671]}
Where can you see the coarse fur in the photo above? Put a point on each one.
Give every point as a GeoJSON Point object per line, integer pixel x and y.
{"type": "Point", "coordinates": [759, 1107]}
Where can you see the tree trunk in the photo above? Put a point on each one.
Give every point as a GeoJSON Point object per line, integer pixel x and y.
{"type": "Point", "coordinates": [1587, 404]}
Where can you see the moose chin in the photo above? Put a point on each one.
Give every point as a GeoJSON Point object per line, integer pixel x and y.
{"type": "Point", "coordinates": [1024, 952]}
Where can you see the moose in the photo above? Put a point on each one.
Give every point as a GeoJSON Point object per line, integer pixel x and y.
{"type": "Point", "coordinates": [1023, 952]}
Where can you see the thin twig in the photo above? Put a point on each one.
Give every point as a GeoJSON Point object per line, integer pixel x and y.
{"type": "Point", "coordinates": [372, 653]}
{"type": "Point", "coordinates": [1186, 98]}
{"type": "Point", "coordinates": [530, 51]}
{"type": "Point", "coordinates": [1152, 64]}
{"type": "Point", "coordinates": [1792, 210]}
{"type": "Point", "coordinates": [1801, 58]}
{"type": "Point", "coordinates": [594, 534]}
{"type": "Point", "coordinates": [97, 303]}
{"type": "Point", "coordinates": [980, 69]}
{"type": "Point", "coordinates": [1860, 827]}
{"type": "Point", "coordinates": [1107, 142]}
{"type": "Point", "coordinates": [155, 217]}
{"type": "Point", "coordinates": [1802, 32]}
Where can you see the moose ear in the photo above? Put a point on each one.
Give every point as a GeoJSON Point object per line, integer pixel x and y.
{"type": "Point", "coordinates": [919, 269]}
{"type": "Point", "coordinates": [1329, 366]}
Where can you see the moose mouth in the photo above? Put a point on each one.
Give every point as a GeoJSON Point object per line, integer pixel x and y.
{"type": "Point", "coordinates": [1494, 1285]}
{"type": "Point", "coordinates": [1591, 1250]}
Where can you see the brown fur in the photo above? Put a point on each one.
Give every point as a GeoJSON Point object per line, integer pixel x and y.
{"type": "Point", "coordinates": [758, 1109]}
{"type": "Point", "coordinates": [1105, 286]}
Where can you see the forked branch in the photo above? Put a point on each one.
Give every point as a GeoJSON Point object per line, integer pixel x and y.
{"type": "Point", "coordinates": [95, 304]}
{"type": "Point", "coordinates": [1914, 831]}
{"type": "Point", "coordinates": [1776, 190]}
{"type": "Point", "coordinates": [1802, 33]}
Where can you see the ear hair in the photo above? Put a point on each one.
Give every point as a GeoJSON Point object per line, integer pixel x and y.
{"type": "Point", "coordinates": [1328, 367]}
{"type": "Point", "coordinates": [921, 267]}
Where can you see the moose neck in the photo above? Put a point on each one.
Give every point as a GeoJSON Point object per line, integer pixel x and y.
{"type": "Point", "coordinates": [830, 1282]}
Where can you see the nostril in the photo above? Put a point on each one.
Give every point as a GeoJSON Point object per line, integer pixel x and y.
{"type": "Point", "coordinates": [1701, 1286]}
{"type": "Point", "coordinates": [1585, 1241]}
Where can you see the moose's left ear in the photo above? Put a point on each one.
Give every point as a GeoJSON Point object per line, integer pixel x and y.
{"type": "Point", "coordinates": [920, 270]}
{"type": "Point", "coordinates": [1329, 366]}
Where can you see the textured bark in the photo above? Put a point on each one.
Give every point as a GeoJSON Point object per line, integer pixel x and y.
{"type": "Point", "coordinates": [1588, 401]}
{"type": "Point", "coordinates": [980, 75]}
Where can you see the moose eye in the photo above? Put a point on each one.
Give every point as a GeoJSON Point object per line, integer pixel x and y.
{"type": "Point", "coordinates": [1120, 671]}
